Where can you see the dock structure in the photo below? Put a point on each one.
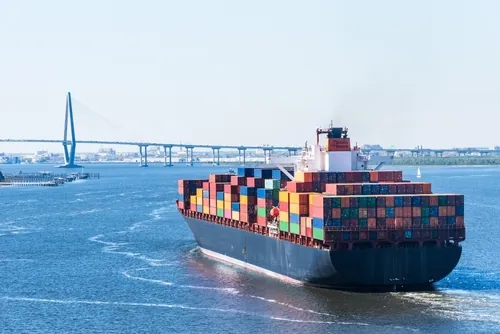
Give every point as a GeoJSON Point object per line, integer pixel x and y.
{"type": "Point", "coordinates": [43, 179]}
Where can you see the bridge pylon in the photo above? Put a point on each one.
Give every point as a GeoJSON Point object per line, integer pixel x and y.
{"type": "Point", "coordinates": [69, 156]}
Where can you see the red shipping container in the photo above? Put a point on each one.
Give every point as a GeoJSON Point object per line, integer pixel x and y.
{"type": "Point", "coordinates": [380, 212]}
{"type": "Point", "coordinates": [206, 202]}
{"type": "Point", "coordinates": [213, 211]}
{"type": "Point", "coordinates": [434, 221]}
{"type": "Point", "coordinates": [374, 176]}
{"type": "Point", "coordinates": [450, 210]}
{"type": "Point", "coordinates": [181, 205]}
{"type": "Point", "coordinates": [309, 232]}
{"type": "Point", "coordinates": [407, 212]}
{"type": "Point", "coordinates": [308, 177]}
{"type": "Point", "coordinates": [390, 223]}
{"type": "Point", "coordinates": [389, 201]}
{"type": "Point", "coordinates": [459, 221]}
{"type": "Point", "coordinates": [363, 235]}
{"type": "Point", "coordinates": [372, 223]}
{"type": "Point", "coordinates": [433, 200]}
{"type": "Point", "coordinates": [316, 177]}
{"type": "Point", "coordinates": [345, 202]}
{"type": "Point", "coordinates": [206, 186]}
{"type": "Point", "coordinates": [283, 206]}
{"type": "Point", "coordinates": [417, 212]}
{"type": "Point", "coordinates": [357, 189]}
{"type": "Point", "coordinates": [398, 212]}
{"type": "Point", "coordinates": [337, 213]}
{"type": "Point", "coordinates": [399, 223]}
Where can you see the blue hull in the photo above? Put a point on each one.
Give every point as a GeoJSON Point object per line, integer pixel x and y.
{"type": "Point", "coordinates": [359, 268]}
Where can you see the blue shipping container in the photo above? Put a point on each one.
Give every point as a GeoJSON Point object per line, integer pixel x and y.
{"type": "Point", "coordinates": [295, 218]}
{"type": "Point", "coordinates": [235, 206]}
{"type": "Point", "coordinates": [317, 222]}
{"type": "Point", "coordinates": [220, 195]}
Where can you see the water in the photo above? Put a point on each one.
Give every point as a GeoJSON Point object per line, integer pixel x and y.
{"type": "Point", "coordinates": [113, 255]}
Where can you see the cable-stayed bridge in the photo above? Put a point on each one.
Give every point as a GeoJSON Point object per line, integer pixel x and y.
{"type": "Point", "coordinates": [69, 145]}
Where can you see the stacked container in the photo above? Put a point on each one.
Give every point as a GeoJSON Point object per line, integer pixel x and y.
{"type": "Point", "coordinates": [362, 205]}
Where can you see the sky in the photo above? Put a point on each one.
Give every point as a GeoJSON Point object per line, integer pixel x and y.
{"type": "Point", "coordinates": [251, 72]}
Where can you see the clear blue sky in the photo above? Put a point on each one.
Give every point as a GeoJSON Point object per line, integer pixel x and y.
{"type": "Point", "coordinates": [252, 72]}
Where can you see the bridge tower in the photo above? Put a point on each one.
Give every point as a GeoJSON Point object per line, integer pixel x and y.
{"type": "Point", "coordinates": [69, 156]}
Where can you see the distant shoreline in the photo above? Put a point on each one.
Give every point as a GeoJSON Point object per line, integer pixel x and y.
{"type": "Point", "coordinates": [397, 161]}
{"type": "Point", "coordinates": [447, 161]}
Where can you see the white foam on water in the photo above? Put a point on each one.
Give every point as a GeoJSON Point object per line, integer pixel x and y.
{"type": "Point", "coordinates": [321, 322]}
{"type": "Point", "coordinates": [112, 248]}
{"type": "Point", "coordinates": [291, 306]}
{"type": "Point", "coordinates": [171, 306]}
{"type": "Point", "coordinates": [460, 304]}
{"type": "Point", "coordinates": [161, 282]}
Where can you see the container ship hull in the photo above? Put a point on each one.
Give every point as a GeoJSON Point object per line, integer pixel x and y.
{"type": "Point", "coordinates": [385, 268]}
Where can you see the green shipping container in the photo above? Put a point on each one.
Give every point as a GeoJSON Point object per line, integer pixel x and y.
{"type": "Point", "coordinates": [363, 202]}
{"type": "Point", "coordinates": [363, 222]}
{"type": "Point", "coordinates": [295, 228]}
{"type": "Point", "coordinates": [425, 212]}
{"type": "Point", "coordinates": [345, 212]}
{"type": "Point", "coordinates": [220, 212]}
{"type": "Point", "coordinates": [336, 202]}
{"type": "Point", "coordinates": [284, 226]}
{"type": "Point", "coordinates": [354, 212]}
{"type": "Point", "coordinates": [318, 234]}
{"type": "Point", "coordinates": [443, 200]}
{"type": "Point", "coordinates": [371, 202]}
{"type": "Point", "coordinates": [261, 212]}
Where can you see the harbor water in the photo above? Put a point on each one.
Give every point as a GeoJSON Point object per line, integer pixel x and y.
{"type": "Point", "coordinates": [112, 255]}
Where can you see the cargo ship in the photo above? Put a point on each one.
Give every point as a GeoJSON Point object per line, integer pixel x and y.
{"type": "Point", "coordinates": [327, 220]}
